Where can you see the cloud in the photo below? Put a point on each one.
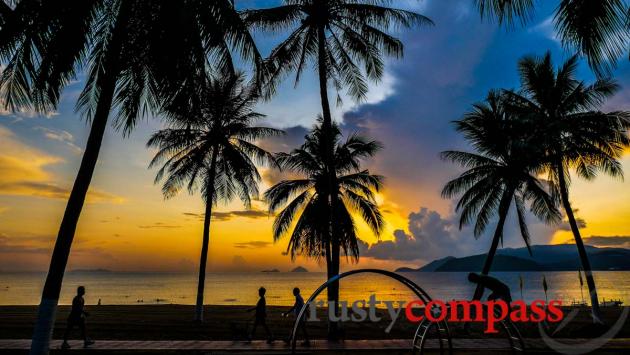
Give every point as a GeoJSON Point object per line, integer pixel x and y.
{"type": "Point", "coordinates": [25, 112]}
{"type": "Point", "coordinates": [7, 245]}
{"type": "Point", "coordinates": [229, 215]}
{"type": "Point", "coordinates": [254, 244]}
{"type": "Point", "coordinates": [18, 160]}
{"type": "Point", "coordinates": [159, 225]}
{"type": "Point", "coordinates": [23, 172]}
{"type": "Point", "coordinates": [52, 191]}
{"type": "Point", "coordinates": [32, 252]}
{"type": "Point", "coordinates": [546, 28]}
{"type": "Point", "coordinates": [62, 136]}
{"type": "Point", "coordinates": [617, 241]}
{"type": "Point", "coordinates": [565, 226]}
{"type": "Point", "coordinates": [430, 235]}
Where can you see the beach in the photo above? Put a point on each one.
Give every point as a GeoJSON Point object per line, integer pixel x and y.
{"type": "Point", "coordinates": [175, 322]}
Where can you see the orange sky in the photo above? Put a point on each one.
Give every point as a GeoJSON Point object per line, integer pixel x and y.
{"type": "Point", "coordinates": [126, 225]}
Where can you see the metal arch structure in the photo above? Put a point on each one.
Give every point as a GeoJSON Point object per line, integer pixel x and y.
{"type": "Point", "coordinates": [442, 327]}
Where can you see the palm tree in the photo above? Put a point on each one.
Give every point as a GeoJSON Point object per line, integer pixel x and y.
{"type": "Point", "coordinates": [338, 36]}
{"type": "Point", "coordinates": [304, 202]}
{"type": "Point", "coordinates": [210, 146]}
{"type": "Point", "coordinates": [502, 171]}
{"type": "Point", "coordinates": [564, 114]}
{"type": "Point", "coordinates": [595, 29]}
{"type": "Point", "coordinates": [44, 43]}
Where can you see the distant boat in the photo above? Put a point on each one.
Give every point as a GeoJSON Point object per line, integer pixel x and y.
{"type": "Point", "coordinates": [272, 270]}
{"type": "Point", "coordinates": [575, 303]}
{"type": "Point", "coordinates": [611, 303]}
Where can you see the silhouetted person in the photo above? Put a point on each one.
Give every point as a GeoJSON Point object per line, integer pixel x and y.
{"type": "Point", "coordinates": [498, 290]}
{"type": "Point", "coordinates": [297, 307]}
{"type": "Point", "coordinates": [77, 318]}
{"type": "Point", "coordinates": [260, 317]}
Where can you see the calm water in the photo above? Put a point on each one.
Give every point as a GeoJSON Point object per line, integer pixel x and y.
{"type": "Point", "coordinates": [241, 288]}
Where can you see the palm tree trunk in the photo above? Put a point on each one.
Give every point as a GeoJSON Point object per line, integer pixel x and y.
{"type": "Point", "coordinates": [333, 269]}
{"type": "Point", "coordinates": [206, 239]}
{"type": "Point", "coordinates": [586, 265]}
{"type": "Point", "coordinates": [46, 314]}
{"type": "Point", "coordinates": [504, 208]}
{"type": "Point", "coordinates": [323, 89]}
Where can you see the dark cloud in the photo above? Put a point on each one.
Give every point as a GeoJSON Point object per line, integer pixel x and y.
{"type": "Point", "coordinates": [619, 241]}
{"type": "Point", "coordinates": [49, 190]}
{"type": "Point", "coordinates": [254, 244]}
{"type": "Point", "coordinates": [229, 215]}
{"type": "Point", "coordinates": [9, 245]}
{"type": "Point", "coordinates": [565, 226]}
{"type": "Point", "coordinates": [32, 252]}
{"type": "Point", "coordinates": [435, 85]}
{"type": "Point", "coordinates": [293, 138]}
{"type": "Point", "coordinates": [159, 225]}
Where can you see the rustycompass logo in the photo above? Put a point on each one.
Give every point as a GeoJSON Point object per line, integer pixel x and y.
{"type": "Point", "coordinates": [456, 311]}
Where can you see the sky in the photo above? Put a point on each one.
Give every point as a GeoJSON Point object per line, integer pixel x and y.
{"type": "Point", "coordinates": [126, 225]}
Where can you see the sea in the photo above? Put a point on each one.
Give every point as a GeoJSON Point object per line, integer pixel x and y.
{"type": "Point", "coordinates": [126, 288]}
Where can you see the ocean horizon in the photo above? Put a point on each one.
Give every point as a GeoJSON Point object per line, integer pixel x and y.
{"type": "Point", "coordinates": [240, 288]}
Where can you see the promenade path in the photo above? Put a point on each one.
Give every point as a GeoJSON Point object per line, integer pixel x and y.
{"type": "Point", "coordinates": [393, 345]}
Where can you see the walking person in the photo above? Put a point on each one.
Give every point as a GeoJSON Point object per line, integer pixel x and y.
{"type": "Point", "coordinates": [260, 317]}
{"type": "Point", "coordinates": [297, 307]}
{"type": "Point", "coordinates": [77, 318]}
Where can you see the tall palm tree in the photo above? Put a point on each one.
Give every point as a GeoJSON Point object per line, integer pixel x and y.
{"type": "Point", "coordinates": [564, 114]}
{"type": "Point", "coordinates": [345, 40]}
{"type": "Point", "coordinates": [599, 30]}
{"type": "Point", "coordinates": [210, 146]}
{"type": "Point", "coordinates": [502, 172]}
{"type": "Point", "coordinates": [45, 43]}
{"type": "Point", "coordinates": [304, 202]}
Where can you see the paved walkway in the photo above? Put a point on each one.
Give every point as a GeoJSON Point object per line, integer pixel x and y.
{"type": "Point", "coordinates": [316, 345]}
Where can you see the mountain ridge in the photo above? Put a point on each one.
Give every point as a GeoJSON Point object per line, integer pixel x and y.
{"type": "Point", "coordinates": [561, 257]}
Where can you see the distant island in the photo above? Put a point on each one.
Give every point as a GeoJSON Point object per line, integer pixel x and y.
{"type": "Point", "coordinates": [562, 257]}
{"type": "Point", "coordinates": [271, 270]}
{"type": "Point", "coordinates": [299, 269]}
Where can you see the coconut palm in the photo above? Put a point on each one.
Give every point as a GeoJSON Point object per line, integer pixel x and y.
{"type": "Point", "coordinates": [210, 145]}
{"type": "Point", "coordinates": [45, 43]}
{"type": "Point", "coordinates": [304, 202]}
{"type": "Point", "coordinates": [598, 30]}
{"type": "Point", "coordinates": [502, 172]}
{"type": "Point", "coordinates": [564, 114]}
{"type": "Point", "coordinates": [341, 37]}
{"type": "Point", "coordinates": [345, 40]}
